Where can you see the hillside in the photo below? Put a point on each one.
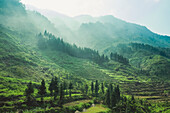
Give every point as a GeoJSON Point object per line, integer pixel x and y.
{"type": "Point", "coordinates": [63, 64]}
{"type": "Point", "coordinates": [144, 57]}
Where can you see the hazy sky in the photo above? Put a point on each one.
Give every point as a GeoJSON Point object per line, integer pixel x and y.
{"type": "Point", "coordinates": [154, 14]}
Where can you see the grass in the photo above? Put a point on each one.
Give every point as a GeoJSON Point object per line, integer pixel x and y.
{"type": "Point", "coordinates": [96, 109]}
{"type": "Point", "coordinates": [76, 102]}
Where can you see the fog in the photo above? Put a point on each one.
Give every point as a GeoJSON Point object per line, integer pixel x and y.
{"type": "Point", "coordinates": [151, 13]}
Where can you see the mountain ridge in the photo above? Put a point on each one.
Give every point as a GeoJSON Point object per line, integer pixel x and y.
{"type": "Point", "coordinates": [113, 26]}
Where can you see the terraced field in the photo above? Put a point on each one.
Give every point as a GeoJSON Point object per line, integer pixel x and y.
{"type": "Point", "coordinates": [153, 91]}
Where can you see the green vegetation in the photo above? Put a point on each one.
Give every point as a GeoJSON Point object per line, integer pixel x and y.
{"type": "Point", "coordinates": [44, 72]}
{"type": "Point", "coordinates": [97, 109]}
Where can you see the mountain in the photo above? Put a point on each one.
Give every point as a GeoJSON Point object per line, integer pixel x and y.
{"type": "Point", "coordinates": [22, 58]}
{"type": "Point", "coordinates": [71, 53]}
{"type": "Point", "coordinates": [108, 33]}
{"type": "Point", "coordinates": [112, 31]}
{"type": "Point", "coordinates": [104, 32]}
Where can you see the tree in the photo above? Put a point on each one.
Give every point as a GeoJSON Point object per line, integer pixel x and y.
{"type": "Point", "coordinates": [28, 92]}
{"type": "Point", "coordinates": [107, 98]}
{"type": "Point", "coordinates": [96, 88]}
{"type": "Point", "coordinates": [132, 98]}
{"type": "Point", "coordinates": [102, 88]}
{"type": "Point", "coordinates": [117, 93]}
{"type": "Point", "coordinates": [45, 33]}
{"type": "Point", "coordinates": [70, 88]}
{"type": "Point", "coordinates": [86, 88]}
{"type": "Point", "coordinates": [51, 87]}
{"type": "Point", "coordinates": [65, 87]}
{"type": "Point", "coordinates": [111, 88]}
{"type": "Point", "coordinates": [111, 56]}
{"type": "Point", "coordinates": [61, 95]}
{"type": "Point", "coordinates": [92, 87]}
{"type": "Point", "coordinates": [113, 100]}
{"type": "Point", "coordinates": [42, 90]}
{"type": "Point", "coordinates": [55, 88]}
{"type": "Point", "coordinates": [106, 59]}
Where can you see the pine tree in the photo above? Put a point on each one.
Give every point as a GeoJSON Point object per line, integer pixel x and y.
{"type": "Point", "coordinates": [113, 99]}
{"type": "Point", "coordinates": [55, 88]}
{"type": "Point", "coordinates": [51, 87]}
{"type": "Point", "coordinates": [28, 92]}
{"type": "Point", "coordinates": [102, 88]}
{"type": "Point", "coordinates": [70, 88]}
{"type": "Point", "coordinates": [107, 98]}
{"type": "Point", "coordinates": [117, 93]}
{"type": "Point", "coordinates": [86, 88]}
{"type": "Point", "coordinates": [65, 87]}
{"type": "Point", "coordinates": [61, 95]}
{"type": "Point", "coordinates": [96, 88]}
{"type": "Point", "coordinates": [111, 87]}
{"type": "Point", "coordinates": [45, 33]}
{"type": "Point", "coordinates": [106, 59]}
{"type": "Point", "coordinates": [42, 90]}
{"type": "Point", "coordinates": [111, 56]}
{"type": "Point", "coordinates": [92, 87]}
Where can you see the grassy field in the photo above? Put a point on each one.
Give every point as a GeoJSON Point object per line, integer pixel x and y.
{"type": "Point", "coordinates": [76, 102]}
{"type": "Point", "coordinates": [96, 109]}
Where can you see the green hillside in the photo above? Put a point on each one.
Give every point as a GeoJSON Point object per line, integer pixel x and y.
{"type": "Point", "coordinates": [42, 70]}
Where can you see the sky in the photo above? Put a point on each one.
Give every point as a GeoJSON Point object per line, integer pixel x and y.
{"type": "Point", "coordinates": [154, 14]}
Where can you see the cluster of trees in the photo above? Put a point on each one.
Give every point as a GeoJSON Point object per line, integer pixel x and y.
{"type": "Point", "coordinates": [105, 93]}
{"type": "Point", "coordinates": [112, 96]}
{"type": "Point", "coordinates": [132, 105]}
{"type": "Point", "coordinates": [119, 58]}
{"type": "Point", "coordinates": [55, 88]}
{"type": "Point", "coordinates": [155, 50]}
{"type": "Point", "coordinates": [93, 89]}
{"type": "Point", "coordinates": [47, 40]}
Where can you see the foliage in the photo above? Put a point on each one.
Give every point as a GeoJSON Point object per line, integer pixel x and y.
{"type": "Point", "coordinates": [49, 41]}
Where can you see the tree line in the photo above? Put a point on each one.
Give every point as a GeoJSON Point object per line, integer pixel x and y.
{"type": "Point", "coordinates": [60, 89]}
{"type": "Point", "coordinates": [104, 93]}
{"type": "Point", "coordinates": [155, 50]}
{"type": "Point", "coordinates": [119, 58]}
{"type": "Point", "coordinates": [49, 41]}
{"type": "Point", "coordinates": [56, 88]}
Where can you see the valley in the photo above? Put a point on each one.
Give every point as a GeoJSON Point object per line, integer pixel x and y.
{"type": "Point", "coordinates": [80, 64]}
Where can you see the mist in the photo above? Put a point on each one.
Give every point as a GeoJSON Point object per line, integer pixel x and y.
{"type": "Point", "coordinates": [151, 13]}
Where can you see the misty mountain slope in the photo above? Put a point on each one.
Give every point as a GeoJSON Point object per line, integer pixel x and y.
{"type": "Point", "coordinates": [27, 23]}
{"type": "Point", "coordinates": [81, 67]}
{"type": "Point", "coordinates": [117, 32]}
{"type": "Point", "coordinates": [106, 29]}
{"type": "Point", "coordinates": [65, 25]}
{"type": "Point", "coordinates": [19, 61]}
